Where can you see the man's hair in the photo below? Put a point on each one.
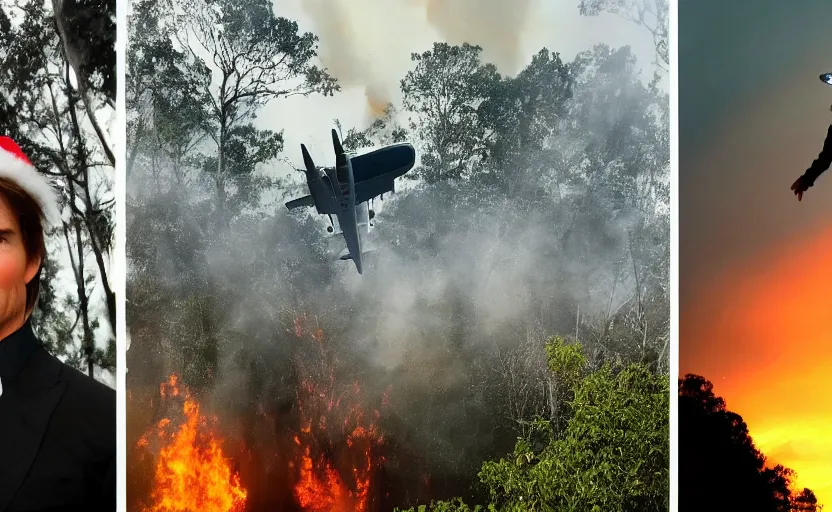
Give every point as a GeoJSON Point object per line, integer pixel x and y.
{"type": "Point", "coordinates": [30, 217]}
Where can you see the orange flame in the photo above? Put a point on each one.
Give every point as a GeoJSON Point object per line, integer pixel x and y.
{"type": "Point", "coordinates": [320, 486]}
{"type": "Point", "coordinates": [191, 473]}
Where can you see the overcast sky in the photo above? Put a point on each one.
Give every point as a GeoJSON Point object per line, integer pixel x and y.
{"type": "Point", "coordinates": [756, 264]}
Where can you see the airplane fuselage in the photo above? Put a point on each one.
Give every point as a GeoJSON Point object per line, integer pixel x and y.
{"type": "Point", "coordinates": [347, 218]}
{"type": "Point", "coordinates": [333, 191]}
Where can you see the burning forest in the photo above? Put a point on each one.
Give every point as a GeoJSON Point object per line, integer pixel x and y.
{"type": "Point", "coordinates": [519, 279]}
{"type": "Point", "coordinates": [327, 440]}
{"type": "Point", "coordinates": [192, 472]}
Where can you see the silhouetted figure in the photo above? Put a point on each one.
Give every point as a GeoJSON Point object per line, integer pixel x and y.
{"type": "Point", "coordinates": [818, 167]}
{"type": "Point", "coordinates": [719, 467]}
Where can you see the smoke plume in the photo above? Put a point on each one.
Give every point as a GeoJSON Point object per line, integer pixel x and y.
{"type": "Point", "coordinates": [361, 41]}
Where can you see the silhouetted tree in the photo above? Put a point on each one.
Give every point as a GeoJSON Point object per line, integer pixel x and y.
{"type": "Point", "coordinates": [719, 466]}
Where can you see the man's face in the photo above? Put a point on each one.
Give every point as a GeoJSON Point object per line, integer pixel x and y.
{"type": "Point", "coordinates": [15, 271]}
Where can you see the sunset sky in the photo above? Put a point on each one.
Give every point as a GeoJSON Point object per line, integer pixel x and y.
{"type": "Point", "coordinates": [756, 264]}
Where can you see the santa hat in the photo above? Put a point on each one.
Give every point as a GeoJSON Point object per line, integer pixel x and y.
{"type": "Point", "coordinates": [16, 167]}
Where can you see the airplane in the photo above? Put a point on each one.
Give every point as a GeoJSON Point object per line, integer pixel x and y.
{"type": "Point", "coordinates": [344, 190]}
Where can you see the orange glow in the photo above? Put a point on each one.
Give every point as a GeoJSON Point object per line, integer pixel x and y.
{"type": "Point", "coordinates": [191, 471]}
{"type": "Point", "coordinates": [320, 487]}
{"type": "Point", "coordinates": [375, 107]}
{"type": "Point", "coordinates": [333, 458]}
{"type": "Point", "coordinates": [327, 480]}
{"type": "Point", "coordinates": [766, 344]}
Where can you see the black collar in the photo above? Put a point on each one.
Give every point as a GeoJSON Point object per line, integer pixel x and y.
{"type": "Point", "coordinates": [16, 350]}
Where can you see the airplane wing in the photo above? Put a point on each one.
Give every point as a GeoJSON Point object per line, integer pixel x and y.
{"type": "Point", "coordinates": [300, 202]}
{"type": "Point", "coordinates": [391, 161]}
{"type": "Point", "coordinates": [306, 201]}
{"type": "Point", "coordinates": [375, 172]}
{"type": "Point", "coordinates": [369, 189]}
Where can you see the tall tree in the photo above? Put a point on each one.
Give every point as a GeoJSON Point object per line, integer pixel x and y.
{"type": "Point", "coordinates": [255, 57]}
{"type": "Point", "coordinates": [523, 114]}
{"type": "Point", "coordinates": [617, 154]}
{"type": "Point", "coordinates": [169, 116]}
{"type": "Point", "coordinates": [87, 31]}
{"type": "Point", "coordinates": [443, 94]}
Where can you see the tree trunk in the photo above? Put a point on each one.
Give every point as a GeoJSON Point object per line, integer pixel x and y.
{"type": "Point", "coordinates": [220, 180]}
{"type": "Point", "coordinates": [97, 249]}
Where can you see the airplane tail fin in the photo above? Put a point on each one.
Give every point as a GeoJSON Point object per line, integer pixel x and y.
{"type": "Point", "coordinates": [340, 156]}
{"type": "Point", "coordinates": [307, 160]}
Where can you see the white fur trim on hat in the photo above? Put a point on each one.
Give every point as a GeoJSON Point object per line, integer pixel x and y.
{"type": "Point", "coordinates": [27, 177]}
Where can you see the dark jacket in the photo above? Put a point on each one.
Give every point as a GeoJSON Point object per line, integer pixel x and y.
{"type": "Point", "coordinates": [57, 432]}
{"type": "Point", "coordinates": [822, 162]}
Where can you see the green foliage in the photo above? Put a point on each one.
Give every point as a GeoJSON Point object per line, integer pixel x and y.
{"type": "Point", "coordinates": [245, 148]}
{"type": "Point", "coordinates": [522, 113]}
{"type": "Point", "coordinates": [445, 90]}
{"type": "Point", "coordinates": [180, 97]}
{"type": "Point", "coordinates": [614, 453]}
{"type": "Point", "coordinates": [454, 505]}
{"type": "Point", "coordinates": [567, 361]}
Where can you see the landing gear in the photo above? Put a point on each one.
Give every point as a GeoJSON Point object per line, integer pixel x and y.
{"type": "Point", "coordinates": [331, 227]}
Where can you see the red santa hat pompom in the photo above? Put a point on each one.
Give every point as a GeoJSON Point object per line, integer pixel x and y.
{"type": "Point", "coordinates": [16, 167]}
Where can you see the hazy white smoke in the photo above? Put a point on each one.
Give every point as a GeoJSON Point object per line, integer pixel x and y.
{"type": "Point", "coordinates": [496, 25]}
{"type": "Point", "coordinates": [362, 42]}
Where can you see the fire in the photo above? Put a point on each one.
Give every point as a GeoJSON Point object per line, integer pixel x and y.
{"type": "Point", "coordinates": [191, 471]}
{"type": "Point", "coordinates": [330, 461]}
{"type": "Point", "coordinates": [320, 486]}
{"type": "Point", "coordinates": [300, 327]}
{"type": "Point", "coordinates": [335, 477]}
